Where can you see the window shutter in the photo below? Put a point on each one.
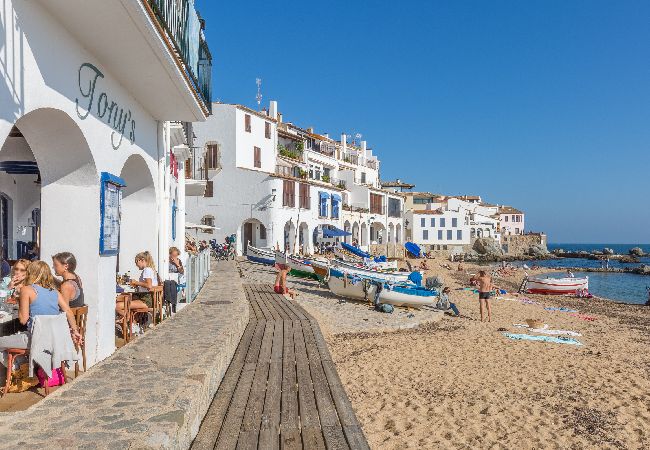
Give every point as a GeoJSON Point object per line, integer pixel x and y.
{"type": "Point", "coordinates": [257, 156]}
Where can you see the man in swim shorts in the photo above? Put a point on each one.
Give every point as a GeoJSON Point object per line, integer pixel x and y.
{"type": "Point", "coordinates": [485, 288]}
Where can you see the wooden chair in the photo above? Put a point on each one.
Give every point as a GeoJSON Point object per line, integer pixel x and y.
{"type": "Point", "coordinates": [157, 305]}
{"type": "Point", "coordinates": [81, 317]}
{"type": "Point", "coordinates": [124, 320]}
{"type": "Point", "coordinates": [157, 309]}
{"type": "Point", "coordinates": [12, 354]}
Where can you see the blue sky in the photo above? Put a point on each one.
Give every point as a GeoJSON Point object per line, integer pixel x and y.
{"type": "Point", "coordinates": [541, 105]}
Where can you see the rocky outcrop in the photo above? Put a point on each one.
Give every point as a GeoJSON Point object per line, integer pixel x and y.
{"type": "Point", "coordinates": [488, 247]}
{"type": "Point", "coordinates": [538, 251]}
{"type": "Point", "coordinates": [607, 251]}
{"type": "Point", "coordinates": [643, 269]}
{"type": "Point", "coordinates": [628, 259]}
{"type": "Point", "coordinates": [637, 251]}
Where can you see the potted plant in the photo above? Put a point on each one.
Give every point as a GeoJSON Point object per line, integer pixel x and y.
{"type": "Point", "coordinates": [325, 178]}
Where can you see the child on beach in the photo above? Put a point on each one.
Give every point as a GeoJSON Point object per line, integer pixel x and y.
{"type": "Point", "coordinates": [280, 286]}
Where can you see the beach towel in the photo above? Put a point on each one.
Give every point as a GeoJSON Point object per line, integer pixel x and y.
{"type": "Point", "coordinates": [545, 330]}
{"type": "Point", "coordinates": [528, 301]}
{"type": "Point", "coordinates": [584, 317]}
{"type": "Point", "coordinates": [551, 339]}
{"type": "Point", "coordinates": [561, 309]}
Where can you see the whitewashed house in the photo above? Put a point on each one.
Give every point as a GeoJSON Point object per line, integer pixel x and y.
{"type": "Point", "coordinates": [87, 149]}
{"type": "Point", "coordinates": [272, 183]}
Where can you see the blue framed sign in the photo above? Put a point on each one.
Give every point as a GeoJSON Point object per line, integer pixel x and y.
{"type": "Point", "coordinates": [110, 213]}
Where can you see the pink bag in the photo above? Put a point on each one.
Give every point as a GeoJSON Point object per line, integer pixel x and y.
{"type": "Point", "coordinates": [57, 378]}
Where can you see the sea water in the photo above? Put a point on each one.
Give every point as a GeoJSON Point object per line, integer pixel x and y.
{"type": "Point", "coordinates": [623, 287]}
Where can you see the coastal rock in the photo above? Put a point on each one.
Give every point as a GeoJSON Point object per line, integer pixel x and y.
{"type": "Point", "coordinates": [537, 250]}
{"type": "Point", "coordinates": [608, 251]}
{"type": "Point", "coordinates": [487, 246]}
{"type": "Point", "coordinates": [583, 252]}
{"type": "Point", "coordinates": [629, 259]}
{"type": "Point", "coordinates": [636, 251]}
{"type": "Point", "coordinates": [643, 269]}
{"type": "Point", "coordinates": [558, 251]}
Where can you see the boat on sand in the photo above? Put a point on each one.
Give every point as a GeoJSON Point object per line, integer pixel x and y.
{"type": "Point", "coordinates": [549, 285]}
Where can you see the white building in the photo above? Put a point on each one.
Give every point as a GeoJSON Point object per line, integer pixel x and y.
{"type": "Point", "coordinates": [85, 101]}
{"type": "Point", "coordinates": [511, 220]}
{"type": "Point", "coordinates": [439, 226]}
{"type": "Point", "coordinates": [275, 184]}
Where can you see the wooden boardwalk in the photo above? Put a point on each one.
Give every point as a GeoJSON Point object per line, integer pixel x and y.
{"type": "Point", "coordinates": [281, 389]}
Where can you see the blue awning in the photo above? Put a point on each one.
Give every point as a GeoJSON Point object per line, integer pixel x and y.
{"type": "Point", "coordinates": [336, 198]}
{"type": "Point", "coordinates": [334, 232]}
{"type": "Point", "coordinates": [323, 195]}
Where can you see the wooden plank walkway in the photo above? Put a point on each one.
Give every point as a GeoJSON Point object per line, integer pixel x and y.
{"type": "Point", "coordinates": [281, 389]}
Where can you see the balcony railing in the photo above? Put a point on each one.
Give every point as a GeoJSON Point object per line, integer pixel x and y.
{"type": "Point", "coordinates": [371, 163]}
{"type": "Point", "coordinates": [376, 209]}
{"type": "Point", "coordinates": [196, 169]}
{"type": "Point", "coordinates": [350, 159]}
{"type": "Point", "coordinates": [183, 26]}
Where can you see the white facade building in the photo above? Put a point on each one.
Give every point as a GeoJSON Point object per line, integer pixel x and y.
{"type": "Point", "coordinates": [85, 100]}
{"type": "Point", "coordinates": [274, 184]}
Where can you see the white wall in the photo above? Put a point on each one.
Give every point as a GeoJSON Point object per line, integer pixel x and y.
{"type": "Point", "coordinates": [40, 86]}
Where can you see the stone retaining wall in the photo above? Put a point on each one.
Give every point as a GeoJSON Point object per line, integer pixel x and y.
{"type": "Point", "coordinates": [153, 392]}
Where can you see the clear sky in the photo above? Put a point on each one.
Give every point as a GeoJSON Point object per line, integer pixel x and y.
{"type": "Point", "coordinates": [542, 105]}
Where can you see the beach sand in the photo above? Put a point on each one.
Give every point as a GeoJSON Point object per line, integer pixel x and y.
{"type": "Point", "coordinates": [458, 383]}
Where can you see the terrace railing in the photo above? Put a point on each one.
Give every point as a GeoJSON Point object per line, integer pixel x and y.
{"type": "Point", "coordinates": [183, 26]}
{"type": "Point", "coordinates": [197, 270]}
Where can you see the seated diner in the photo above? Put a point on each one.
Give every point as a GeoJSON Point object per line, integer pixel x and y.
{"type": "Point", "coordinates": [70, 287]}
{"type": "Point", "coordinates": [38, 297]}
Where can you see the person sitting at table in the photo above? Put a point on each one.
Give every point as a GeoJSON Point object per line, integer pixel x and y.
{"type": "Point", "coordinates": [176, 270]}
{"type": "Point", "coordinates": [71, 288]}
{"type": "Point", "coordinates": [18, 277]}
{"type": "Point", "coordinates": [39, 297]}
{"type": "Point", "coordinates": [142, 298]}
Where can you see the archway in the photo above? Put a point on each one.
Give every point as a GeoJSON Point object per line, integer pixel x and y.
{"type": "Point", "coordinates": [139, 227]}
{"type": "Point", "coordinates": [289, 237]}
{"type": "Point", "coordinates": [355, 232]}
{"type": "Point", "coordinates": [348, 228]}
{"type": "Point", "coordinates": [303, 238]}
{"type": "Point", "coordinates": [398, 233]}
{"type": "Point", "coordinates": [391, 232]}
{"type": "Point", "coordinates": [49, 178]}
{"type": "Point", "coordinates": [377, 233]}
{"type": "Point", "coordinates": [364, 234]}
{"type": "Point", "coordinates": [252, 232]}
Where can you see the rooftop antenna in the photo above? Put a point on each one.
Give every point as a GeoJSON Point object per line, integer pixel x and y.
{"type": "Point", "coordinates": [258, 82]}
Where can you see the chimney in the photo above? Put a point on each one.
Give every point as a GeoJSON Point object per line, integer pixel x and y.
{"type": "Point", "coordinates": [310, 130]}
{"type": "Point", "coordinates": [327, 135]}
{"type": "Point", "coordinates": [273, 109]}
{"type": "Point", "coordinates": [363, 147]}
{"type": "Point", "coordinates": [344, 142]}
{"type": "Point", "coordinates": [280, 117]}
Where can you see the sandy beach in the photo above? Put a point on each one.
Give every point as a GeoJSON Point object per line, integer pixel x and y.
{"type": "Point", "coordinates": [458, 383]}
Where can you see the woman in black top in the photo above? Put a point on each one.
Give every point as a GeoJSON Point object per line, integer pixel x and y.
{"type": "Point", "coordinates": [71, 287]}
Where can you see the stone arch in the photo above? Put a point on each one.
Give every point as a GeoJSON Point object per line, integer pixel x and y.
{"type": "Point", "coordinates": [252, 232]}
{"type": "Point", "coordinates": [289, 237]}
{"type": "Point", "coordinates": [303, 238]}
{"type": "Point", "coordinates": [138, 230]}
{"type": "Point", "coordinates": [364, 234]}
{"type": "Point", "coordinates": [64, 178]}
{"type": "Point", "coordinates": [398, 233]}
{"type": "Point", "coordinates": [347, 227]}
{"type": "Point", "coordinates": [355, 232]}
{"type": "Point", "coordinates": [391, 232]}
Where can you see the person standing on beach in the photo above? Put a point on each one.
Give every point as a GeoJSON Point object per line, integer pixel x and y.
{"type": "Point", "coordinates": [485, 287]}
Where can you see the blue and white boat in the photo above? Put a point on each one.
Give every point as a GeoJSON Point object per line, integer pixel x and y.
{"type": "Point", "coordinates": [260, 255]}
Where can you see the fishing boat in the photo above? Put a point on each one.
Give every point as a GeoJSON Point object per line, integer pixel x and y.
{"type": "Point", "coordinates": [351, 254]}
{"type": "Point", "coordinates": [411, 296]}
{"type": "Point", "coordinates": [351, 287]}
{"type": "Point", "coordinates": [301, 267]}
{"type": "Point", "coordinates": [321, 269]}
{"type": "Point", "coordinates": [260, 255]}
{"type": "Point", "coordinates": [548, 285]}
{"type": "Point", "coordinates": [361, 288]}
{"type": "Point", "coordinates": [343, 266]}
